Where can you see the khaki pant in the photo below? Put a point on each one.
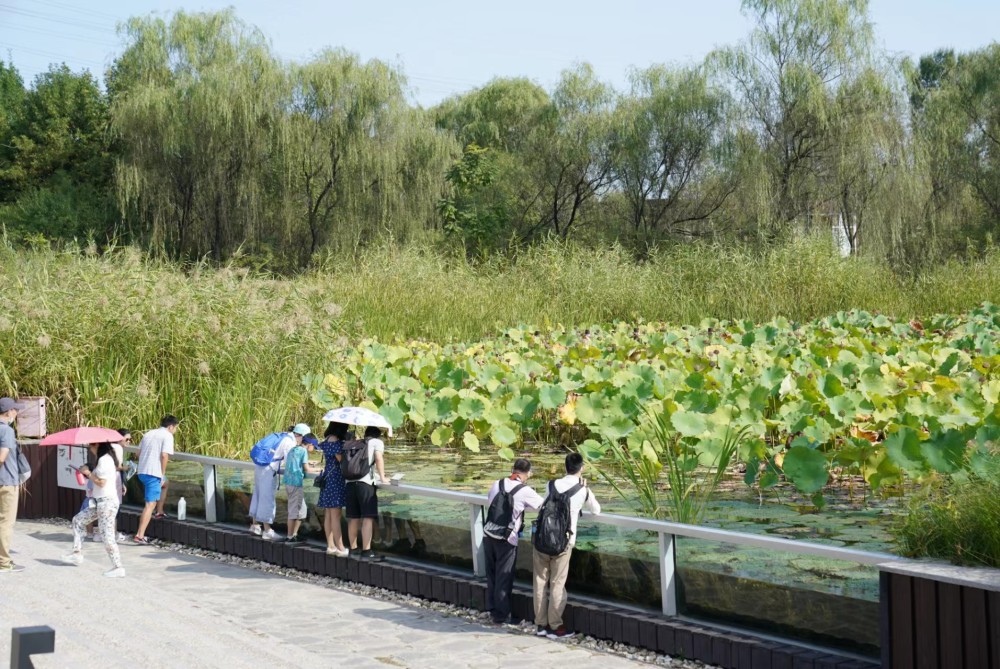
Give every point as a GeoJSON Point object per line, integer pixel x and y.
{"type": "Point", "coordinates": [8, 514]}
{"type": "Point", "coordinates": [550, 572]}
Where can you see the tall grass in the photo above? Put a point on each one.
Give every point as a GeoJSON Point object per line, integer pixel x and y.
{"type": "Point", "coordinates": [954, 521]}
{"type": "Point", "coordinates": [119, 339]}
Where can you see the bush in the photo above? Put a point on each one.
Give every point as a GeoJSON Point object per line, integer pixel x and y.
{"type": "Point", "coordinates": [956, 521]}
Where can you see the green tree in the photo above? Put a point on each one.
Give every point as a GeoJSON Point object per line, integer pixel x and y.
{"type": "Point", "coordinates": [785, 78]}
{"type": "Point", "coordinates": [496, 189]}
{"type": "Point", "coordinates": [575, 163]}
{"type": "Point", "coordinates": [57, 158]}
{"type": "Point", "coordinates": [196, 105]}
{"type": "Point", "coordinates": [12, 96]}
{"type": "Point", "coordinates": [355, 147]}
{"type": "Point", "coordinates": [672, 138]}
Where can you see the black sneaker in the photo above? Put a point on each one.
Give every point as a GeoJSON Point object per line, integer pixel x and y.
{"type": "Point", "coordinates": [371, 555]}
{"type": "Point", "coordinates": [542, 631]}
{"type": "Point", "coordinates": [295, 540]}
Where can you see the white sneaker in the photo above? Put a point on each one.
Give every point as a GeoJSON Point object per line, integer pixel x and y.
{"type": "Point", "coordinates": [336, 553]}
{"type": "Point", "coordinates": [117, 572]}
{"type": "Point", "coordinates": [73, 558]}
{"type": "Point", "coordinates": [255, 529]}
{"type": "Point", "coordinates": [270, 535]}
{"type": "Point", "coordinates": [123, 538]}
{"type": "Point", "coordinates": [97, 538]}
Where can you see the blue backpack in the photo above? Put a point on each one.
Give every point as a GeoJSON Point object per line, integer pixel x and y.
{"type": "Point", "coordinates": [262, 452]}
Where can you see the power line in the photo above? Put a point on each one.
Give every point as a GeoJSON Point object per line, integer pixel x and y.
{"type": "Point", "coordinates": [71, 8]}
{"type": "Point", "coordinates": [49, 54]}
{"type": "Point", "coordinates": [78, 38]}
{"type": "Point", "coordinates": [97, 27]}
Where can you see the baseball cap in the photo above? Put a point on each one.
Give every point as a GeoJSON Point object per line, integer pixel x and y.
{"type": "Point", "coordinates": [6, 404]}
{"type": "Point", "coordinates": [302, 429]}
{"type": "Point", "coordinates": [311, 440]}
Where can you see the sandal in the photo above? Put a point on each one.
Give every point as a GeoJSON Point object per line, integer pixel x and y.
{"type": "Point", "coordinates": [160, 516]}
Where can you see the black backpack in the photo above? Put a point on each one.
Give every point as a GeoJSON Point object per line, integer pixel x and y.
{"type": "Point", "coordinates": [554, 521]}
{"type": "Point", "coordinates": [499, 521]}
{"type": "Point", "coordinates": [355, 464]}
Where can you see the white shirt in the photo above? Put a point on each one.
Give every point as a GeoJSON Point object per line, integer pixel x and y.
{"type": "Point", "coordinates": [120, 454]}
{"type": "Point", "coordinates": [285, 446]}
{"type": "Point", "coordinates": [583, 498]}
{"type": "Point", "coordinates": [105, 470]}
{"type": "Point", "coordinates": [154, 443]}
{"type": "Point", "coordinates": [374, 446]}
{"type": "Point", "coordinates": [526, 498]}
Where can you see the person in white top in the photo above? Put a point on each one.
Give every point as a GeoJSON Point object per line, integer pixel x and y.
{"type": "Point", "coordinates": [265, 483]}
{"type": "Point", "coordinates": [551, 570]}
{"type": "Point", "coordinates": [119, 486]}
{"type": "Point", "coordinates": [102, 506]}
{"type": "Point", "coordinates": [501, 538]}
{"type": "Point", "coordinates": [155, 450]}
{"type": "Point", "coordinates": [362, 497]}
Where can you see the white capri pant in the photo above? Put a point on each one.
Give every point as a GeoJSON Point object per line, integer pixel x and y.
{"type": "Point", "coordinates": [262, 504]}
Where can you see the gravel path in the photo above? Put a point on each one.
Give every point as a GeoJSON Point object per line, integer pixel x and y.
{"type": "Point", "coordinates": [181, 607]}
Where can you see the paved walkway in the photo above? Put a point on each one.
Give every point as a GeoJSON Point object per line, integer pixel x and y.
{"type": "Point", "coordinates": [177, 610]}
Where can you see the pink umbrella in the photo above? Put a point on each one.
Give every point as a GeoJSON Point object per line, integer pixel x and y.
{"type": "Point", "coordinates": [79, 436]}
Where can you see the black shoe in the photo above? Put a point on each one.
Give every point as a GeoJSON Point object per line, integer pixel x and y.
{"type": "Point", "coordinates": [295, 540]}
{"type": "Point", "coordinates": [354, 553]}
{"type": "Point", "coordinates": [541, 631]}
{"type": "Point", "coordinates": [371, 555]}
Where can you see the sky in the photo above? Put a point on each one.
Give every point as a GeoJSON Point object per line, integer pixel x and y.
{"type": "Point", "coordinates": [449, 46]}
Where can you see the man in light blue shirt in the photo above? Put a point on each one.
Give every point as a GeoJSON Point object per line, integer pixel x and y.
{"type": "Point", "coordinates": [10, 480]}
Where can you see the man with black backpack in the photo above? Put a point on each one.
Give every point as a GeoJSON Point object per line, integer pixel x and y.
{"type": "Point", "coordinates": [362, 460]}
{"type": "Point", "coordinates": [507, 502]}
{"type": "Point", "coordinates": [553, 540]}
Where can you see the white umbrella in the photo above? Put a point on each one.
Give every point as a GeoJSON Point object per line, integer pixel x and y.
{"type": "Point", "coordinates": [357, 416]}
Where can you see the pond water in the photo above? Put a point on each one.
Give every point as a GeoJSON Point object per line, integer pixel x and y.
{"type": "Point", "coordinates": [815, 599]}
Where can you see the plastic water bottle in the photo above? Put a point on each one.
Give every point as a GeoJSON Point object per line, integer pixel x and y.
{"type": "Point", "coordinates": [182, 508]}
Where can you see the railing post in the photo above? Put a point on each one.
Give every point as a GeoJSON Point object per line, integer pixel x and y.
{"type": "Point", "coordinates": [478, 548]}
{"type": "Point", "coordinates": [209, 476]}
{"type": "Point", "coordinates": [668, 582]}
{"type": "Point", "coordinates": [28, 641]}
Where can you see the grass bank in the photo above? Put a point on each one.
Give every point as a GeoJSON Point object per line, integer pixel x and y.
{"type": "Point", "coordinates": [119, 339]}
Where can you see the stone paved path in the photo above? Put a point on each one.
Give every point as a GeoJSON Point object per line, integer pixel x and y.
{"type": "Point", "coordinates": [177, 610]}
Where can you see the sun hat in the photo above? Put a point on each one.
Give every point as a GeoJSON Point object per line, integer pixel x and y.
{"type": "Point", "coordinates": [301, 429]}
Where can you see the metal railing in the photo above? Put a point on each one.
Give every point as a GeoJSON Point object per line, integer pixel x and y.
{"type": "Point", "coordinates": [666, 530]}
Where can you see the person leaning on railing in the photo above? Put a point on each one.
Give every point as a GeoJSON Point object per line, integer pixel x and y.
{"type": "Point", "coordinates": [502, 532]}
{"type": "Point", "coordinates": [551, 570]}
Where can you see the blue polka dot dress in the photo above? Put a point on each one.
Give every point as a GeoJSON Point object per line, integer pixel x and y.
{"type": "Point", "coordinates": [334, 493]}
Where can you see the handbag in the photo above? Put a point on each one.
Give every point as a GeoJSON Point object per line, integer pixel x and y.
{"type": "Point", "coordinates": [320, 480]}
{"type": "Point", "coordinates": [23, 467]}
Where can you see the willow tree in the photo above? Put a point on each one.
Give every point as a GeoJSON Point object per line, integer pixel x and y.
{"type": "Point", "coordinates": [963, 121]}
{"type": "Point", "coordinates": [870, 162]}
{"type": "Point", "coordinates": [575, 162]}
{"type": "Point", "coordinates": [785, 78]}
{"type": "Point", "coordinates": [672, 133]}
{"type": "Point", "coordinates": [953, 105]}
{"type": "Point", "coordinates": [196, 108]}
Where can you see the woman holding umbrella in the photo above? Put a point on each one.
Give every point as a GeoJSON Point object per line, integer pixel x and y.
{"type": "Point", "coordinates": [102, 506]}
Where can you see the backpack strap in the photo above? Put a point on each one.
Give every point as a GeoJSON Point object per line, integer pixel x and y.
{"type": "Point", "coordinates": [572, 491]}
{"type": "Point", "coordinates": [517, 488]}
